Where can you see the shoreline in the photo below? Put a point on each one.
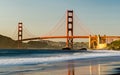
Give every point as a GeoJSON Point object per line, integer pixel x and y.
{"type": "Point", "coordinates": [80, 68]}
{"type": "Point", "coordinates": [96, 69]}
{"type": "Point", "coordinates": [81, 62]}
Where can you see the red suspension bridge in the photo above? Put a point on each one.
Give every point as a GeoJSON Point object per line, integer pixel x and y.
{"type": "Point", "coordinates": [70, 28]}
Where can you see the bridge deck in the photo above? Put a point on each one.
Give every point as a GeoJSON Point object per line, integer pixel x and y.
{"type": "Point", "coordinates": [62, 37]}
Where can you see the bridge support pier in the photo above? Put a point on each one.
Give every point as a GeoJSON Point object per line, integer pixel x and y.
{"type": "Point", "coordinates": [93, 41]}
{"type": "Point", "coordinates": [90, 41]}
{"type": "Point", "coordinates": [102, 42]}
{"type": "Point", "coordinates": [20, 34]}
{"type": "Point", "coordinates": [69, 29]}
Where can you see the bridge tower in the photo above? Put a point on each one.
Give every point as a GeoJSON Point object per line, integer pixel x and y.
{"type": "Point", "coordinates": [69, 29]}
{"type": "Point", "coordinates": [20, 34]}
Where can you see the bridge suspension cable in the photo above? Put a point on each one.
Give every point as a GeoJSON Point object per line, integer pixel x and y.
{"type": "Point", "coordinates": [27, 33]}
{"type": "Point", "coordinates": [67, 28]}
{"type": "Point", "coordinates": [59, 28]}
{"type": "Point", "coordinates": [15, 33]}
{"type": "Point", "coordinates": [79, 27]}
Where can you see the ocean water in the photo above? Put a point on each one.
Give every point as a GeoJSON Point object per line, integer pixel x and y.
{"type": "Point", "coordinates": [28, 61]}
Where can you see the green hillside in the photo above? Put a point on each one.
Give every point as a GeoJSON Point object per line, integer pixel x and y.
{"type": "Point", "coordinates": [115, 45]}
{"type": "Point", "coordinates": [7, 42]}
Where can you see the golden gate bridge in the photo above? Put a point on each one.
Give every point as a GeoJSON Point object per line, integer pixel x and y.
{"type": "Point", "coordinates": [70, 29]}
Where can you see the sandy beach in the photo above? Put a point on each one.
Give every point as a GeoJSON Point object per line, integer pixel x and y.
{"type": "Point", "coordinates": [64, 63]}
{"type": "Point", "coordinates": [98, 69]}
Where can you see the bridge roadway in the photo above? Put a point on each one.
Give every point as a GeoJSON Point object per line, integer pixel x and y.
{"type": "Point", "coordinates": [60, 37]}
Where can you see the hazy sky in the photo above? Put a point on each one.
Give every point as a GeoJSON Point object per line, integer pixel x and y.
{"type": "Point", "coordinates": [39, 16]}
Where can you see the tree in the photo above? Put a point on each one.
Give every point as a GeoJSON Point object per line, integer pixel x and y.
{"type": "Point", "coordinates": [115, 45]}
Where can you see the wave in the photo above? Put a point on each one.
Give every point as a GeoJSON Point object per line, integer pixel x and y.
{"type": "Point", "coordinates": [57, 58]}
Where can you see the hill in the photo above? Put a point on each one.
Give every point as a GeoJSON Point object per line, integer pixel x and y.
{"type": "Point", "coordinates": [54, 45]}
{"type": "Point", "coordinates": [7, 42]}
{"type": "Point", "coordinates": [115, 45]}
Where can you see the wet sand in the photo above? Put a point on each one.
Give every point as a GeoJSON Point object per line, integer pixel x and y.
{"type": "Point", "coordinates": [98, 69]}
{"type": "Point", "coordinates": [98, 66]}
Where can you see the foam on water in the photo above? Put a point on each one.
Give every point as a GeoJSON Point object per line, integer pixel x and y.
{"type": "Point", "coordinates": [57, 58]}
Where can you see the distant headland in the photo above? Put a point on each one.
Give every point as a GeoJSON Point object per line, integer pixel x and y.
{"type": "Point", "coordinates": [9, 43]}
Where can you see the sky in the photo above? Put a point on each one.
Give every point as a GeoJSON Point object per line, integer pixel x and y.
{"type": "Point", "coordinates": [40, 16]}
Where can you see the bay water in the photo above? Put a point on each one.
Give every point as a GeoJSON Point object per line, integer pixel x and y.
{"type": "Point", "coordinates": [56, 62]}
